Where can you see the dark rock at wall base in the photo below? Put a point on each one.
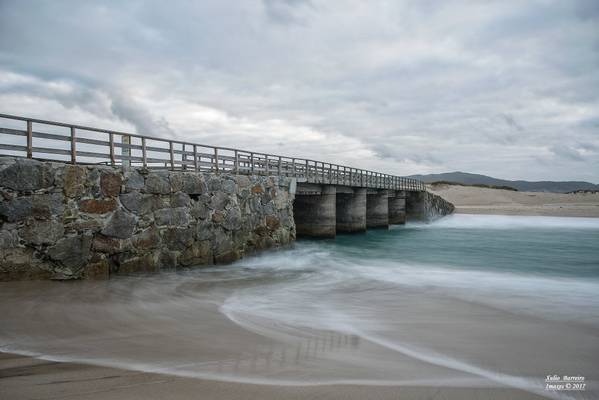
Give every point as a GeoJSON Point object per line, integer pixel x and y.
{"type": "Point", "coordinates": [71, 252]}
{"type": "Point", "coordinates": [97, 269]}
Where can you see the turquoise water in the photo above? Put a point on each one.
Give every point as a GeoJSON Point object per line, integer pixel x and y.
{"type": "Point", "coordinates": [542, 246]}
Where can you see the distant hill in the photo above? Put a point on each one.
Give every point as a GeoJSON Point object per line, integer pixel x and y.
{"type": "Point", "coordinates": [525, 186]}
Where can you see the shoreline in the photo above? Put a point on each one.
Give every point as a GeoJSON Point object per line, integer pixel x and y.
{"type": "Point", "coordinates": [25, 377]}
{"type": "Point", "coordinates": [515, 213]}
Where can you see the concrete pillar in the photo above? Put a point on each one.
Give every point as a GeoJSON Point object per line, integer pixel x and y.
{"type": "Point", "coordinates": [314, 214]}
{"type": "Point", "coordinates": [351, 211]}
{"type": "Point", "coordinates": [377, 210]}
{"type": "Point", "coordinates": [415, 206]}
{"type": "Point", "coordinates": [397, 207]}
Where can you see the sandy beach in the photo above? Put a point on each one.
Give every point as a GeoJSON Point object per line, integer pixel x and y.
{"type": "Point", "coordinates": [475, 200]}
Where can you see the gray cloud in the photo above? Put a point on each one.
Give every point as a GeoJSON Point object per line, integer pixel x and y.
{"type": "Point", "coordinates": [567, 152]}
{"type": "Point", "coordinates": [505, 88]}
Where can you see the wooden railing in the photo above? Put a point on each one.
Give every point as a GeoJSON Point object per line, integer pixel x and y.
{"type": "Point", "coordinates": [57, 141]}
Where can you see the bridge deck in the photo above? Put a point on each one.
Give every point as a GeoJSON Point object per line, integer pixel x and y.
{"type": "Point", "coordinates": [57, 141]}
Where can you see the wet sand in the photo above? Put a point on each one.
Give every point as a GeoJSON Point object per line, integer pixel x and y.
{"type": "Point", "coordinates": [112, 341]}
{"type": "Point", "coordinates": [29, 378]}
{"type": "Point", "coordinates": [475, 200]}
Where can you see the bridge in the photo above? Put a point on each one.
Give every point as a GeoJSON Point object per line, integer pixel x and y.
{"type": "Point", "coordinates": [329, 197]}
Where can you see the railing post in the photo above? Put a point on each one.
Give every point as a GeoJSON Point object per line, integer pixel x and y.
{"type": "Point", "coordinates": [252, 163]}
{"type": "Point", "coordinates": [184, 157]}
{"type": "Point", "coordinates": [236, 162]}
{"type": "Point", "coordinates": [126, 150]}
{"type": "Point", "coordinates": [29, 140]}
{"type": "Point", "coordinates": [280, 165]}
{"type": "Point", "coordinates": [266, 166]}
{"type": "Point", "coordinates": [73, 146]}
{"type": "Point", "coordinates": [195, 157]}
{"type": "Point", "coordinates": [294, 171]}
{"type": "Point", "coordinates": [216, 160]}
{"type": "Point", "coordinates": [111, 148]}
{"type": "Point", "coordinates": [172, 154]}
{"type": "Point", "coordinates": [306, 169]}
{"type": "Point", "coordinates": [143, 152]}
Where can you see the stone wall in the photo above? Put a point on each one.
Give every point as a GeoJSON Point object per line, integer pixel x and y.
{"type": "Point", "coordinates": [425, 206]}
{"type": "Point", "coordinates": [61, 221]}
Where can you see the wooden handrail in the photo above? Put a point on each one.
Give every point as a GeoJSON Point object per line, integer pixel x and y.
{"type": "Point", "coordinates": [214, 158]}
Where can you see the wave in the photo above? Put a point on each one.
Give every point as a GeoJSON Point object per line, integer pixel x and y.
{"type": "Point", "coordinates": [473, 221]}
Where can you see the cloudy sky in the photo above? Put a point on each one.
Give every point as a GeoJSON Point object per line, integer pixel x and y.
{"type": "Point", "coordinates": [504, 88]}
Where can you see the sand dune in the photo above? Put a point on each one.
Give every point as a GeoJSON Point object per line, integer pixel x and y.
{"type": "Point", "coordinates": [475, 200]}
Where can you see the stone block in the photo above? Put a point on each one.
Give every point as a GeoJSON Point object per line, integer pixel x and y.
{"type": "Point", "coordinates": [110, 183]}
{"type": "Point", "coordinates": [128, 263]}
{"type": "Point", "coordinates": [232, 220]}
{"type": "Point", "coordinates": [227, 257]}
{"type": "Point", "coordinates": [204, 230]}
{"type": "Point", "coordinates": [27, 175]}
{"type": "Point", "coordinates": [8, 239]}
{"type": "Point", "coordinates": [147, 239]}
{"type": "Point", "coordinates": [193, 183]}
{"type": "Point", "coordinates": [37, 232]}
{"type": "Point", "coordinates": [71, 252]}
{"type": "Point", "coordinates": [120, 225]}
{"type": "Point", "coordinates": [16, 209]}
{"type": "Point", "coordinates": [199, 253]}
{"type": "Point", "coordinates": [229, 186]}
{"type": "Point", "coordinates": [47, 205]}
{"type": "Point", "coordinates": [97, 269]}
{"type": "Point", "coordinates": [157, 183]}
{"type": "Point", "coordinates": [180, 199]}
{"type": "Point", "coordinates": [110, 245]}
{"type": "Point", "coordinates": [143, 203]}
{"type": "Point", "coordinates": [133, 180]}
{"type": "Point", "coordinates": [176, 181]}
{"type": "Point", "coordinates": [172, 216]}
{"type": "Point", "coordinates": [219, 201]}
{"type": "Point", "coordinates": [273, 223]}
{"type": "Point", "coordinates": [178, 238]}
{"type": "Point", "coordinates": [20, 264]}
{"type": "Point", "coordinates": [243, 181]}
{"type": "Point", "coordinates": [73, 180]}
{"type": "Point", "coordinates": [93, 206]}
{"type": "Point", "coordinates": [199, 210]}
{"type": "Point", "coordinates": [257, 189]}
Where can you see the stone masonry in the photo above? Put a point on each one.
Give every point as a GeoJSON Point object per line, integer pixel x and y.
{"type": "Point", "coordinates": [61, 221]}
{"type": "Point", "coordinates": [426, 206]}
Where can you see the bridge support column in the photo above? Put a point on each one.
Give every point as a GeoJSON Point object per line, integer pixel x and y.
{"type": "Point", "coordinates": [314, 214]}
{"type": "Point", "coordinates": [351, 211]}
{"type": "Point", "coordinates": [377, 209]}
{"type": "Point", "coordinates": [415, 206]}
{"type": "Point", "coordinates": [397, 207]}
